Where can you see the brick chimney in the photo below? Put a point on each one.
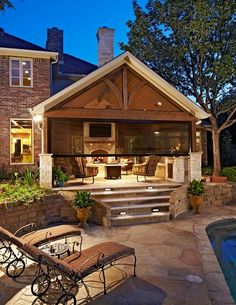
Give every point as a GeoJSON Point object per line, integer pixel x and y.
{"type": "Point", "coordinates": [105, 38]}
{"type": "Point", "coordinates": [55, 42]}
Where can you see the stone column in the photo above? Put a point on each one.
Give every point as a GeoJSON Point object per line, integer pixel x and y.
{"type": "Point", "coordinates": [195, 165]}
{"type": "Point", "coordinates": [178, 169]}
{"type": "Point", "coordinates": [45, 175]}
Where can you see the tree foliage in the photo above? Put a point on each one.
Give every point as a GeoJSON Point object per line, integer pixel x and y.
{"type": "Point", "coordinates": [5, 4]}
{"type": "Point", "coordinates": [191, 44]}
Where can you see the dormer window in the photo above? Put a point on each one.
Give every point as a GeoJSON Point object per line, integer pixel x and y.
{"type": "Point", "coordinates": [21, 72]}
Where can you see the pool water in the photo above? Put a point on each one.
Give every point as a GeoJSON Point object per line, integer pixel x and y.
{"type": "Point", "coordinates": [222, 236]}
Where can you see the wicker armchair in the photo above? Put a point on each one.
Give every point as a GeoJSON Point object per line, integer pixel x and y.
{"type": "Point", "coordinates": [147, 168]}
{"type": "Point", "coordinates": [83, 170]}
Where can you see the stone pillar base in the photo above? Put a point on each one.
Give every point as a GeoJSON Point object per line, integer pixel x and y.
{"type": "Point", "coordinates": [45, 175]}
{"type": "Point", "coordinates": [195, 165]}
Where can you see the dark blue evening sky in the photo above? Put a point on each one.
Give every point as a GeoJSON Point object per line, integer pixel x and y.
{"type": "Point", "coordinates": [79, 19]}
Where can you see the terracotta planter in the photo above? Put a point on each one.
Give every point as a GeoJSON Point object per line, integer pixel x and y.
{"type": "Point", "coordinates": [218, 179]}
{"type": "Point", "coordinates": [83, 215]}
{"type": "Point", "coordinates": [196, 202]}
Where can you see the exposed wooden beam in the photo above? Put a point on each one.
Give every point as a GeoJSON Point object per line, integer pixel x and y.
{"type": "Point", "coordinates": [111, 114]}
{"type": "Point", "coordinates": [125, 87]}
{"type": "Point", "coordinates": [193, 136]}
{"type": "Point", "coordinates": [115, 90]}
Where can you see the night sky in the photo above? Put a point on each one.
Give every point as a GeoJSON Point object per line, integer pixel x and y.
{"type": "Point", "coordinates": [79, 19]}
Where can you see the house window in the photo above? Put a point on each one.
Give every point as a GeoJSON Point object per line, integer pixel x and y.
{"type": "Point", "coordinates": [21, 141]}
{"type": "Point", "coordinates": [21, 72]}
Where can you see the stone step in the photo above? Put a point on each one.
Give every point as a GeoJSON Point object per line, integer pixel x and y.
{"type": "Point", "coordinates": [132, 192]}
{"type": "Point", "coordinates": [140, 209]}
{"type": "Point", "coordinates": [139, 219]}
{"type": "Point", "coordinates": [98, 189]}
{"type": "Point", "coordinates": [145, 205]}
{"type": "Point", "coordinates": [135, 200]}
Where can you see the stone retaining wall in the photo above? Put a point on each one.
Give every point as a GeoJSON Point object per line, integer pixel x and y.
{"type": "Point", "coordinates": [216, 194]}
{"type": "Point", "coordinates": [50, 210]}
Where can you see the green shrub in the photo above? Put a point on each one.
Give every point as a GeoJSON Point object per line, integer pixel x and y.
{"type": "Point", "coordinates": [82, 200]}
{"type": "Point", "coordinates": [59, 175]}
{"type": "Point", "coordinates": [3, 173]}
{"type": "Point", "coordinates": [229, 172]}
{"type": "Point", "coordinates": [29, 177]}
{"type": "Point", "coordinates": [13, 193]}
{"type": "Point", "coordinates": [196, 188]}
{"type": "Point", "coordinates": [208, 171]}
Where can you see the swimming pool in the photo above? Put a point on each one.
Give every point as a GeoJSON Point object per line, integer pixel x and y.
{"type": "Point", "coordinates": [222, 235]}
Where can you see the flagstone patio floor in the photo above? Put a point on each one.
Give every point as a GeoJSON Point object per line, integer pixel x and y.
{"type": "Point", "coordinates": [166, 254]}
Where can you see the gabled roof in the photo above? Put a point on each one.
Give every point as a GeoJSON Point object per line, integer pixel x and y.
{"type": "Point", "coordinates": [74, 65]}
{"type": "Point", "coordinates": [136, 65]}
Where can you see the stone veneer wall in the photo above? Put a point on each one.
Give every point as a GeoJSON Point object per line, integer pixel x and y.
{"type": "Point", "coordinates": [50, 210]}
{"type": "Point", "coordinates": [217, 194]}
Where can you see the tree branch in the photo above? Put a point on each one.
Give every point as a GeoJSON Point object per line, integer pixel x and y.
{"type": "Point", "coordinates": [225, 110]}
{"type": "Point", "coordinates": [228, 121]}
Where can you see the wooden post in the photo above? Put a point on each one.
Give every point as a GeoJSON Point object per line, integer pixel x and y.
{"type": "Point", "coordinates": [125, 88]}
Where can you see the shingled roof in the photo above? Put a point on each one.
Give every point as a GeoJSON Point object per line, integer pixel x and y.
{"type": "Point", "coordinates": [71, 64]}
{"type": "Point", "coordinates": [13, 42]}
{"type": "Point", "coordinates": [74, 65]}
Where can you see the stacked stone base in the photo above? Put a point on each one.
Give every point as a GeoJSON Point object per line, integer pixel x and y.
{"type": "Point", "coordinates": [50, 210]}
{"type": "Point", "coordinates": [216, 194]}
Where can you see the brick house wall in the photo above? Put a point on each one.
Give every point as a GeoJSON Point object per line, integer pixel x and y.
{"type": "Point", "coordinates": [16, 101]}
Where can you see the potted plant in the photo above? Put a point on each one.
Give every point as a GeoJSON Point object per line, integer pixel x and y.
{"type": "Point", "coordinates": [82, 204]}
{"type": "Point", "coordinates": [59, 176]}
{"type": "Point", "coordinates": [196, 191]}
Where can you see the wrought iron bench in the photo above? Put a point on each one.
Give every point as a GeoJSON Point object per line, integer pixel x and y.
{"type": "Point", "coordinates": [10, 256]}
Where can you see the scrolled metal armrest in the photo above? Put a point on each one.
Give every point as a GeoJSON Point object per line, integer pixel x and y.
{"type": "Point", "coordinates": [31, 226]}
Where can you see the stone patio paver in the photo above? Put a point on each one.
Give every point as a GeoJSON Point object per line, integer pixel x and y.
{"type": "Point", "coordinates": [167, 253]}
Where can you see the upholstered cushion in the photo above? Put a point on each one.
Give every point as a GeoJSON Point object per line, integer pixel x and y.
{"type": "Point", "coordinates": [90, 259]}
{"type": "Point", "coordinates": [152, 164]}
{"type": "Point", "coordinates": [8, 236]}
{"type": "Point", "coordinates": [52, 233]}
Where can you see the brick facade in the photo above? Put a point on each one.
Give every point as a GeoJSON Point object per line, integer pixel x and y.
{"type": "Point", "coordinates": [16, 101]}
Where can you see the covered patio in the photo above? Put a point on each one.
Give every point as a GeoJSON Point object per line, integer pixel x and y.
{"type": "Point", "coordinates": [122, 110]}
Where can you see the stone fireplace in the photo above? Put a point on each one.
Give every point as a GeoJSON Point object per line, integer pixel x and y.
{"type": "Point", "coordinates": [99, 145]}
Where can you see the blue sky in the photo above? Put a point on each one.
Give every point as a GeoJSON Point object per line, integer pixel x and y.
{"type": "Point", "coordinates": [79, 19]}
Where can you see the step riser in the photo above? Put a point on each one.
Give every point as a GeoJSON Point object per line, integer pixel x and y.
{"type": "Point", "coordinates": [148, 219]}
{"type": "Point", "coordinates": [133, 194]}
{"type": "Point", "coordinates": [134, 202]}
{"type": "Point", "coordinates": [138, 211]}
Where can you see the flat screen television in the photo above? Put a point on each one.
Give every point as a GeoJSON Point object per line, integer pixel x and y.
{"type": "Point", "coordinates": [97, 130]}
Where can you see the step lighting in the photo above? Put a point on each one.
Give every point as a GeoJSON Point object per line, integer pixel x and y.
{"type": "Point", "coordinates": [149, 188]}
{"type": "Point", "coordinates": [155, 210]}
{"type": "Point", "coordinates": [107, 189]}
{"type": "Point", "coordinates": [123, 213]}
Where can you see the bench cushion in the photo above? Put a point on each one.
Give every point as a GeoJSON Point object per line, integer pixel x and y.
{"type": "Point", "coordinates": [52, 233]}
{"type": "Point", "coordinates": [92, 258]}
